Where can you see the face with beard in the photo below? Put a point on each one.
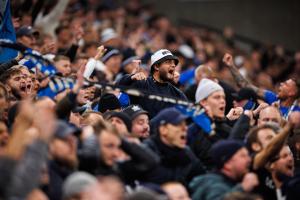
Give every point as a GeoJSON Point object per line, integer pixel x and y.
{"type": "Point", "coordinates": [30, 82]}
{"type": "Point", "coordinates": [17, 84]}
{"type": "Point", "coordinates": [284, 165]}
{"type": "Point", "coordinates": [64, 151]}
{"type": "Point", "coordinates": [287, 89]}
{"type": "Point", "coordinates": [165, 71]}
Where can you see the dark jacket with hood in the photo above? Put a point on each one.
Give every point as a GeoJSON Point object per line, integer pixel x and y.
{"type": "Point", "coordinates": [175, 164]}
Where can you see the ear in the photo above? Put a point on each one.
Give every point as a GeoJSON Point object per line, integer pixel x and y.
{"type": "Point", "coordinates": [203, 103]}
{"type": "Point", "coordinates": [256, 147]}
{"type": "Point", "coordinates": [297, 145]}
{"type": "Point", "coordinates": [271, 167]}
{"type": "Point", "coordinates": [162, 130]}
{"type": "Point", "coordinates": [7, 87]}
{"type": "Point", "coordinates": [156, 67]}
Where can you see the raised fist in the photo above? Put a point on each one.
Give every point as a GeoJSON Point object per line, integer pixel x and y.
{"type": "Point", "coordinates": [250, 180]}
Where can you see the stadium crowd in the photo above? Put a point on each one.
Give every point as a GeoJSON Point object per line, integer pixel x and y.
{"type": "Point", "coordinates": [100, 100]}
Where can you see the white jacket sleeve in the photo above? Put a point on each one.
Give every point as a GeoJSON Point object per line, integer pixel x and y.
{"type": "Point", "coordinates": [49, 22]}
{"type": "Point", "coordinates": [91, 66]}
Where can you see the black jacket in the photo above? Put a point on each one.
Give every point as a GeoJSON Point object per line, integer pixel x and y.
{"type": "Point", "coordinates": [175, 164]}
{"type": "Point", "coordinates": [57, 175]}
{"type": "Point", "coordinates": [141, 161]}
{"type": "Point", "coordinates": [152, 87]}
{"type": "Point", "coordinates": [19, 178]}
{"type": "Point", "coordinates": [200, 142]}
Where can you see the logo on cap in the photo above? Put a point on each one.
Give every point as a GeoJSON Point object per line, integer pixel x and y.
{"type": "Point", "coordinates": [135, 108]}
{"type": "Point", "coordinates": [165, 52]}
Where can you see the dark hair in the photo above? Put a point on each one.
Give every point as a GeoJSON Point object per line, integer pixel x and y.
{"type": "Point", "coordinates": [3, 91]}
{"type": "Point", "coordinates": [61, 57]}
{"type": "Point", "coordinates": [297, 81]}
{"type": "Point", "coordinates": [252, 136]}
{"type": "Point", "coordinates": [8, 74]}
{"type": "Point", "coordinates": [60, 28]}
{"type": "Point", "coordinates": [105, 126]}
{"type": "Point", "coordinates": [89, 44]}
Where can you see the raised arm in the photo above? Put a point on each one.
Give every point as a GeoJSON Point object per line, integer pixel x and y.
{"type": "Point", "coordinates": [240, 80]}
{"type": "Point", "coordinates": [272, 148]}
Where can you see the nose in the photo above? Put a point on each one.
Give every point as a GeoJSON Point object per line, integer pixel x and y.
{"type": "Point", "coordinates": [115, 153]}
{"type": "Point", "coordinates": [146, 126]}
{"type": "Point", "coordinates": [23, 80]}
{"type": "Point", "coordinates": [222, 101]}
{"type": "Point", "coordinates": [290, 157]}
{"type": "Point", "coordinates": [184, 127]}
{"type": "Point", "coordinates": [28, 80]}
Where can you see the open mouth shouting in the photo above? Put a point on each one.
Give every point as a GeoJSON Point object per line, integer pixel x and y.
{"type": "Point", "coordinates": [23, 87]}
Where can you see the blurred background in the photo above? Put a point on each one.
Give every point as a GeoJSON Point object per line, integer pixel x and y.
{"type": "Point", "coordinates": [268, 21]}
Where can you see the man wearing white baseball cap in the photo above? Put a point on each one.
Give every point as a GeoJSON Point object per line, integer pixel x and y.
{"type": "Point", "coordinates": [163, 64]}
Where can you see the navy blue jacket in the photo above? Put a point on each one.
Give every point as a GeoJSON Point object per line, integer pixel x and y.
{"type": "Point", "coordinates": [153, 87]}
{"type": "Point", "coordinates": [175, 164]}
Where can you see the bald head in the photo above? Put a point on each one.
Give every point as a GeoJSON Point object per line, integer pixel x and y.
{"type": "Point", "coordinates": [270, 114]}
{"type": "Point", "coordinates": [204, 71]}
{"type": "Point", "coordinates": [175, 191]}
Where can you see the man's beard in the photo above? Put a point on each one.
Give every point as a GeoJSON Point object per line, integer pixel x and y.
{"type": "Point", "coordinates": [281, 176]}
{"type": "Point", "coordinates": [164, 76]}
{"type": "Point", "coordinates": [16, 93]}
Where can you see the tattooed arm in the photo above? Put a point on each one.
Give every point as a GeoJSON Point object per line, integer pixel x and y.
{"type": "Point", "coordinates": [240, 80]}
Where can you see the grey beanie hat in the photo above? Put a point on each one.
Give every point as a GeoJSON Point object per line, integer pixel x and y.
{"type": "Point", "coordinates": [77, 183]}
{"type": "Point", "coordinates": [205, 88]}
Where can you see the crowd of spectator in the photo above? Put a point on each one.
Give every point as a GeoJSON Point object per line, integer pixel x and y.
{"type": "Point", "coordinates": [107, 100]}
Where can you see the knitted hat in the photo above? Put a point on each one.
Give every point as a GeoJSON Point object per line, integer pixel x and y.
{"type": "Point", "coordinates": [223, 150]}
{"type": "Point", "coordinates": [128, 56]}
{"type": "Point", "coordinates": [108, 102]}
{"type": "Point", "coordinates": [77, 183]}
{"type": "Point", "coordinates": [205, 88]}
{"type": "Point", "coordinates": [134, 110]}
{"type": "Point", "coordinates": [110, 52]}
{"type": "Point", "coordinates": [123, 116]}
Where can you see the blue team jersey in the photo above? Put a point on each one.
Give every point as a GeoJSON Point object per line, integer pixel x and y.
{"type": "Point", "coordinates": [270, 97]}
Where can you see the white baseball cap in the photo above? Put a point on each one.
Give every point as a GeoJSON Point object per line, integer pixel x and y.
{"type": "Point", "coordinates": [108, 34]}
{"type": "Point", "coordinates": [161, 56]}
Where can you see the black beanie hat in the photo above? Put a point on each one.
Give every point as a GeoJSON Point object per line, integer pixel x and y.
{"type": "Point", "coordinates": [223, 150]}
{"type": "Point", "coordinates": [123, 116]}
{"type": "Point", "coordinates": [108, 102]}
{"type": "Point", "coordinates": [128, 56]}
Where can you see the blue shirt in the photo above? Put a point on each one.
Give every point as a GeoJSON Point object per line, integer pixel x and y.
{"type": "Point", "coordinates": [270, 97]}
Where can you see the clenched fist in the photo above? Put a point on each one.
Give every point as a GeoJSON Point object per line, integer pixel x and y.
{"type": "Point", "coordinates": [250, 180]}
